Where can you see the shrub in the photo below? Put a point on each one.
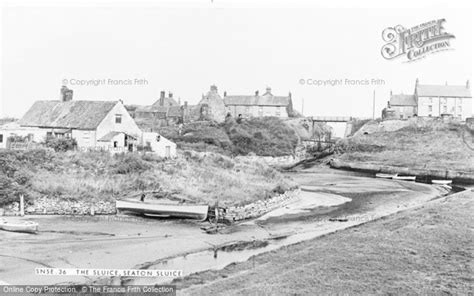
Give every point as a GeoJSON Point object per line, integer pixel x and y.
{"type": "Point", "coordinates": [60, 144]}
{"type": "Point", "coordinates": [129, 163]}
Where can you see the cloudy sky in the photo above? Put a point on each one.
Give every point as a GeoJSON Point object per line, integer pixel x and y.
{"type": "Point", "coordinates": [184, 47]}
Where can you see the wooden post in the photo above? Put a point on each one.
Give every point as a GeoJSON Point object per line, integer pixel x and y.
{"type": "Point", "coordinates": [217, 216]}
{"type": "Point", "coordinates": [22, 205]}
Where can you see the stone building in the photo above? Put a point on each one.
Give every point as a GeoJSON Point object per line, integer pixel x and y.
{"type": "Point", "coordinates": [454, 101]}
{"type": "Point", "coordinates": [259, 105]}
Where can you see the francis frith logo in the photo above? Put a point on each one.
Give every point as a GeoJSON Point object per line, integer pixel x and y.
{"type": "Point", "coordinates": [416, 42]}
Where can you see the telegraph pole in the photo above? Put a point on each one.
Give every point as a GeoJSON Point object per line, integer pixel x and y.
{"type": "Point", "coordinates": [373, 107]}
{"type": "Point", "coordinates": [302, 106]}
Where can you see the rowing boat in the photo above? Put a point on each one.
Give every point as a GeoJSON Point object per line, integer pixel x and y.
{"type": "Point", "coordinates": [442, 182]}
{"type": "Point", "coordinates": [405, 178]}
{"type": "Point", "coordinates": [385, 176]}
{"type": "Point", "coordinates": [19, 226]}
{"type": "Point", "coordinates": [198, 212]}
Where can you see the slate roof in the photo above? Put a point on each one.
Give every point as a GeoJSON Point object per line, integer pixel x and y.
{"type": "Point", "coordinates": [403, 100]}
{"type": "Point", "coordinates": [167, 101]}
{"type": "Point", "coordinates": [265, 100]}
{"type": "Point", "coordinates": [70, 114]}
{"type": "Point", "coordinates": [460, 91]}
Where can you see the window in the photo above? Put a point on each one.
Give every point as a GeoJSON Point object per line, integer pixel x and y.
{"type": "Point", "coordinates": [430, 100]}
{"type": "Point", "coordinates": [430, 108]}
{"type": "Point", "coordinates": [115, 144]}
{"type": "Point", "coordinates": [49, 134]}
{"type": "Point", "coordinates": [278, 111]}
{"type": "Point", "coordinates": [1, 138]}
{"type": "Point", "coordinates": [401, 116]}
{"type": "Point", "coordinates": [118, 118]}
{"type": "Point", "coordinates": [459, 109]}
{"type": "Point", "coordinates": [445, 109]}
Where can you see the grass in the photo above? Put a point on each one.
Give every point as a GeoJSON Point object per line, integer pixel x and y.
{"type": "Point", "coordinates": [421, 145]}
{"type": "Point", "coordinates": [422, 251]}
{"type": "Point", "coordinates": [192, 177]}
{"type": "Point", "coordinates": [267, 136]}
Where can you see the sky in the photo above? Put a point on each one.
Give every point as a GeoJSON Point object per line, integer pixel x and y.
{"type": "Point", "coordinates": [184, 47]}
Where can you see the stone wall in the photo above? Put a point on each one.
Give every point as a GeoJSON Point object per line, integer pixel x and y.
{"type": "Point", "coordinates": [261, 207]}
{"type": "Point", "coordinates": [54, 206]}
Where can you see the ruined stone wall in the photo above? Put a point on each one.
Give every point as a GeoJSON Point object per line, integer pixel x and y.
{"type": "Point", "coordinates": [261, 207]}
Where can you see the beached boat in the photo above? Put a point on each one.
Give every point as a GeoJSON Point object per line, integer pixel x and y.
{"type": "Point", "coordinates": [385, 176]}
{"type": "Point", "coordinates": [442, 182]}
{"type": "Point", "coordinates": [405, 178]}
{"type": "Point", "coordinates": [19, 226]}
{"type": "Point", "coordinates": [164, 210]}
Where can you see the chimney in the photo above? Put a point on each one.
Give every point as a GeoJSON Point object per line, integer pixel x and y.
{"type": "Point", "coordinates": [185, 104]}
{"type": "Point", "coordinates": [269, 90]}
{"type": "Point", "coordinates": [214, 88]}
{"type": "Point", "coordinates": [256, 93]}
{"type": "Point", "coordinates": [416, 83]}
{"type": "Point", "coordinates": [170, 95]}
{"type": "Point", "coordinates": [390, 93]}
{"type": "Point", "coordinates": [225, 93]}
{"type": "Point", "coordinates": [65, 94]}
{"type": "Point", "coordinates": [162, 98]}
{"type": "Point", "coordinates": [289, 94]}
{"type": "Point", "coordinates": [468, 86]}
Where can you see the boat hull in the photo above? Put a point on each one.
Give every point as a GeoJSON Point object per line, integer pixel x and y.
{"type": "Point", "coordinates": [405, 178]}
{"type": "Point", "coordinates": [198, 212]}
{"type": "Point", "coordinates": [19, 226]}
{"type": "Point", "coordinates": [441, 182]}
{"type": "Point", "coordinates": [385, 176]}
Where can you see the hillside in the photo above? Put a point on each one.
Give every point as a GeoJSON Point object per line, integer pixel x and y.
{"type": "Point", "coordinates": [416, 143]}
{"type": "Point", "coordinates": [267, 136]}
{"type": "Point", "coordinates": [93, 176]}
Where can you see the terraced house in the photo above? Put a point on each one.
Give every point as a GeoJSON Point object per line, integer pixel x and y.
{"type": "Point", "coordinates": [259, 105]}
{"type": "Point", "coordinates": [431, 101]}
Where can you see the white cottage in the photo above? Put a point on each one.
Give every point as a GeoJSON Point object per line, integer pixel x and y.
{"type": "Point", "coordinates": [95, 125]}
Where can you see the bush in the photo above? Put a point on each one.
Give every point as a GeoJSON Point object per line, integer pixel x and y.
{"type": "Point", "coordinates": [129, 163]}
{"type": "Point", "coordinates": [60, 144]}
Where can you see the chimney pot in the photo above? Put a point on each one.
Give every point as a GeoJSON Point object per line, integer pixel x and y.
{"type": "Point", "coordinates": [256, 93]}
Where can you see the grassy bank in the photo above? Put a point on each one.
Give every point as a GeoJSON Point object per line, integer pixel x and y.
{"type": "Point", "coordinates": [422, 251]}
{"type": "Point", "coordinates": [267, 136]}
{"type": "Point", "coordinates": [192, 177]}
{"type": "Point", "coordinates": [418, 144]}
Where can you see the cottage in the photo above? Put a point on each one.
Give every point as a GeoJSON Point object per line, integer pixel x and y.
{"type": "Point", "coordinates": [95, 125]}
{"type": "Point", "coordinates": [211, 106]}
{"type": "Point", "coordinates": [401, 106]}
{"type": "Point", "coordinates": [259, 105]}
{"type": "Point", "coordinates": [164, 112]}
